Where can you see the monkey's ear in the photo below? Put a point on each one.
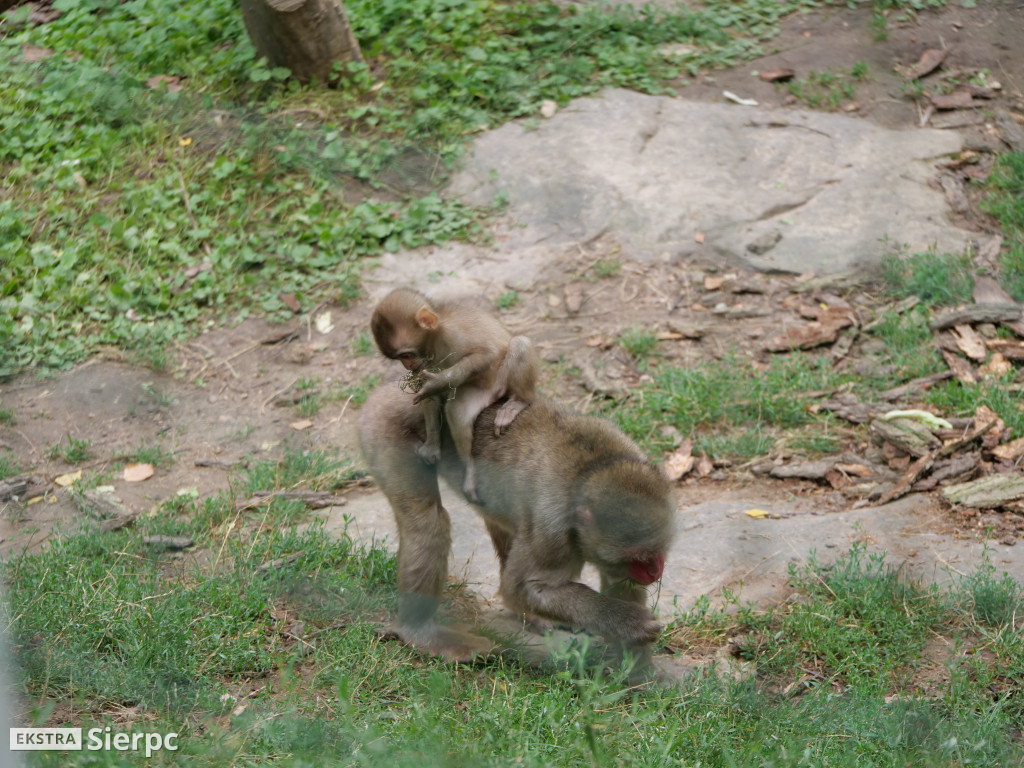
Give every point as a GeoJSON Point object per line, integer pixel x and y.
{"type": "Point", "coordinates": [584, 515]}
{"type": "Point", "coordinates": [426, 319]}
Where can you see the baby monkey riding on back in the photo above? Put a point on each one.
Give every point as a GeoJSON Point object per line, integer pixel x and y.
{"type": "Point", "coordinates": [465, 357]}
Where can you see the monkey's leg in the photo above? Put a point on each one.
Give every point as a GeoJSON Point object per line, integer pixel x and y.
{"type": "Point", "coordinates": [430, 449]}
{"type": "Point", "coordinates": [461, 412]}
{"type": "Point", "coordinates": [389, 431]}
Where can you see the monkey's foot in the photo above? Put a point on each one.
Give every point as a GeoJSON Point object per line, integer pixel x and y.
{"type": "Point", "coordinates": [447, 642]}
{"type": "Point", "coordinates": [469, 485]}
{"type": "Point", "coordinates": [507, 413]}
{"type": "Point", "coordinates": [429, 453]}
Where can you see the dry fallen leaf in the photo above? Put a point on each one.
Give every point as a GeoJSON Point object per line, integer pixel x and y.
{"type": "Point", "coordinates": [705, 466]}
{"type": "Point", "coordinates": [763, 514]}
{"type": "Point", "coordinates": [323, 323]}
{"type": "Point", "coordinates": [713, 282]}
{"type": "Point", "coordinates": [298, 426]}
{"type": "Point", "coordinates": [680, 461]}
{"type": "Point", "coordinates": [136, 473]}
{"type": "Point", "coordinates": [65, 480]}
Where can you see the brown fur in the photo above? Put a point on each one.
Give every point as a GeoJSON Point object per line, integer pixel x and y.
{"type": "Point", "coordinates": [556, 491]}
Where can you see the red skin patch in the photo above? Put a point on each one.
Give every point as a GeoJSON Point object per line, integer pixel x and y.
{"type": "Point", "coordinates": [647, 571]}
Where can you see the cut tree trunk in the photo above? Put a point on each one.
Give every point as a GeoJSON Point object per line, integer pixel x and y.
{"type": "Point", "coordinates": [306, 36]}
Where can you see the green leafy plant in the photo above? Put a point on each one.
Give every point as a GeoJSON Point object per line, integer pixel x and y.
{"type": "Point", "coordinates": [74, 452]}
{"type": "Point", "coordinates": [507, 300]}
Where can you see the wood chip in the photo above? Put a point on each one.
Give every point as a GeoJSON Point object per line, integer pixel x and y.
{"type": "Point", "coordinates": [986, 492]}
{"type": "Point", "coordinates": [960, 368]}
{"type": "Point", "coordinates": [168, 542]}
{"type": "Point", "coordinates": [955, 100]}
{"type": "Point", "coordinates": [928, 62]}
{"type": "Point", "coordinates": [977, 313]}
{"type": "Point", "coordinates": [777, 75]}
{"type": "Point", "coordinates": [1010, 451]}
{"type": "Point", "coordinates": [970, 342]}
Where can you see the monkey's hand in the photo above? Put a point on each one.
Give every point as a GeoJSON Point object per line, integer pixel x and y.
{"type": "Point", "coordinates": [430, 454]}
{"type": "Point", "coordinates": [433, 383]}
{"type": "Point", "coordinates": [635, 625]}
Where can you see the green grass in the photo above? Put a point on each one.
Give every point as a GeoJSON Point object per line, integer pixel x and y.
{"type": "Point", "coordinates": [134, 215]}
{"type": "Point", "coordinates": [73, 452]}
{"type": "Point", "coordinates": [1005, 201]}
{"type": "Point", "coordinates": [936, 279]}
{"type": "Point", "coordinates": [729, 407]}
{"type": "Point", "coordinates": [828, 89]}
{"type": "Point", "coordinates": [102, 624]}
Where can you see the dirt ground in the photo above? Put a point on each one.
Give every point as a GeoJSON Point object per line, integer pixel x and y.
{"type": "Point", "coordinates": [225, 397]}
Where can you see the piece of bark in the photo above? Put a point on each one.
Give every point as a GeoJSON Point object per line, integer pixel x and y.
{"type": "Point", "coordinates": [1009, 130]}
{"type": "Point", "coordinates": [168, 542]}
{"type": "Point", "coordinates": [1008, 348]}
{"type": "Point", "coordinates": [949, 469]}
{"type": "Point", "coordinates": [117, 523]}
{"type": "Point", "coordinates": [777, 75]}
{"type": "Point", "coordinates": [100, 504]}
{"type": "Point", "coordinates": [1010, 451]}
{"type": "Point", "coordinates": [286, 560]}
{"type": "Point", "coordinates": [929, 62]}
{"type": "Point", "coordinates": [923, 463]}
{"type": "Point", "coordinates": [13, 488]}
{"type": "Point", "coordinates": [909, 435]}
{"type": "Point", "coordinates": [312, 499]}
{"type": "Point", "coordinates": [986, 492]}
{"type": "Point", "coordinates": [803, 470]}
{"type": "Point", "coordinates": [847, 406]}
{"type": "Point", "coordinates": [955, 100]}
{"type": "Point", "coordinates": [977, 313]}
{"type": "Point", "coordinates": [960, 368]}
{"type": "Point", "coordinates": [970, 342]}
{"type": "Point", "coordinates": [915, 386]}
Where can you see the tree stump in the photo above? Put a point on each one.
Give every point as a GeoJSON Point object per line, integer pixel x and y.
{"type": "Point", "coordinates": [306, 36]}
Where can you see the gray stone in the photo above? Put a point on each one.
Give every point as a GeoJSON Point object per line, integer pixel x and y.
{"type": "Point", "coordinates": [834, 192]}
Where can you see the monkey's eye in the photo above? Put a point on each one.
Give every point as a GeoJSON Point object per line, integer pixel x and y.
{"type": "Point", "coordinates": [406, 355]}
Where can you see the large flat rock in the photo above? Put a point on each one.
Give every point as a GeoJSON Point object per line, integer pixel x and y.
{"type": "Point", "coordinates": [776, 190]}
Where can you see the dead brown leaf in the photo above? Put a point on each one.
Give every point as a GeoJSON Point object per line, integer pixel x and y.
{"type": "Point", "coordinates": [136, 473]}
{"type": "Point", "coordinates": [713, 282]}
{"type": "Point", "coordinates": [680, 462]}
{"type": "Point", "coordinates": [705, 466]}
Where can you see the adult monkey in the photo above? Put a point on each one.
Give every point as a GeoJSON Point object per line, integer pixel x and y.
{"type": "Point", "coordinates": [558, 489]}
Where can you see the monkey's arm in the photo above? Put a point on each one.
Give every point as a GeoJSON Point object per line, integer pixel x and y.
{"type": "Point", "coordinates": [551, 594]}
{"type": "Point", "coordinates": [469, 367]}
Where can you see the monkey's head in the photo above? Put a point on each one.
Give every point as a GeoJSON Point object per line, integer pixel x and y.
{"type": "Point", "coordinates": [625, 520]}
{"type": "Point", "coordinates": [402, 325]}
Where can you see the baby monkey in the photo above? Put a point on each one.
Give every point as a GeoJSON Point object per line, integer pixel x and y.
{"type": "Point", "coordinates": [461, 353]}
